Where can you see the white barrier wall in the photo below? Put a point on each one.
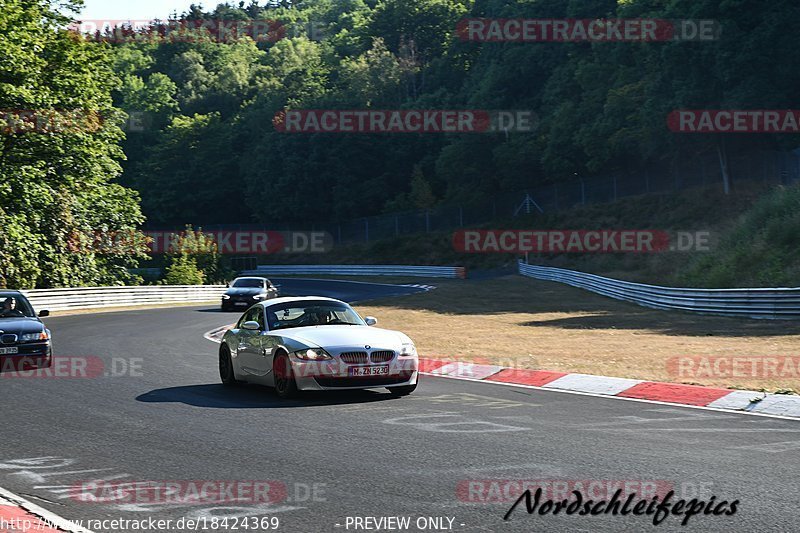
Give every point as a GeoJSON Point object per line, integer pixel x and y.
{"type": "Point", "coordinates": [99, 297]}
{"type": "Point", "coordinates": [753, 303]}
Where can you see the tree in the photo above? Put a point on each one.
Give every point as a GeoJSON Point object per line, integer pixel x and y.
{"type": "Point", "coordinates": [58, 166]}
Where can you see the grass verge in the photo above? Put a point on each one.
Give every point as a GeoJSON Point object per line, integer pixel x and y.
{"type": "Point", "coordinates": [525, 323]}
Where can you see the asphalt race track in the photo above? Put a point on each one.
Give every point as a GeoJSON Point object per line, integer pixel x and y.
{"type": "Point", "coordinates": [158, 412]}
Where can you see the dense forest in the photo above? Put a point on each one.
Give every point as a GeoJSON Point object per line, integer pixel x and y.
{"type": "Point", "coordinates": [210, 152]}
{"type": "Point", "coordinates": [199, 144]}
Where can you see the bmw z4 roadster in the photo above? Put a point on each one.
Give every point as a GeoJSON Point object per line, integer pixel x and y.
{"type": "Point", "coordinates": [315, 343]}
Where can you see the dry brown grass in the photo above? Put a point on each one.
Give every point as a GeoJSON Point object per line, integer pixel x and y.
{"type": "Point", "coordinates": [527, 323]}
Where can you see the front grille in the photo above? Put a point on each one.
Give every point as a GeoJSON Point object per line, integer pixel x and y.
{"type": "Point", "coordinates": [364, 381]}
{"type": "Point", "coordinates": [381, 357]}
{"type": "Point", "coordinates": [354, 358]}
{"type": "Point", "coordinates": [8, 339]}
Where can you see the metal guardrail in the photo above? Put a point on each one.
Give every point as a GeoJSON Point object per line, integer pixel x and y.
{"type": "Point", "coordinates": [780, 303]}
{"type": "Point", "coordinates": [360, 270]}
{"type": "Point", "coordinates": [100, 297]}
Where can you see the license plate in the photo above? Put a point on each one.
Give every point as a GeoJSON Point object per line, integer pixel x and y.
{"type": "Point", "coordinates": [240, 303]}
{"type": "Point", "coordinates": [361, 371]}
{"type": "Point", "coordinates": [9, 351]}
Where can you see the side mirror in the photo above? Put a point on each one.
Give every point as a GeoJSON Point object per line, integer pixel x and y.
{"type": "Point", "coordinates": [371, 321]}
{"type": "Point", "coordinates": [251, 325]}
{"type": "Point", "coordinates": [44, 313]}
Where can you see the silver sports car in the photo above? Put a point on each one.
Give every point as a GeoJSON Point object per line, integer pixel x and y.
{"type": "Point", "coordinates": [315, 343]}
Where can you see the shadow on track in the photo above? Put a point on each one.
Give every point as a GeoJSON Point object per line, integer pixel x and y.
{"type": "Point", "coordinates": [255, 397]}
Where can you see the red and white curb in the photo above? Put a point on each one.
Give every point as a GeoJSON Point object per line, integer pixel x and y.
{"type": "Point", "coordinates": [752, 402]}
{"type": "Point", "coordinates": [19, 515]}
{"type": "Point", "coordinates": [775, 405]}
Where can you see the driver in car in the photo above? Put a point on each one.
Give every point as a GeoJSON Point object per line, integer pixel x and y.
{"type": "Point", "coordinates": [322, 317]}
{"type": "Point", "coordinates": [316, 317]}
{"type": "Point", "coordinates": [9, 308]}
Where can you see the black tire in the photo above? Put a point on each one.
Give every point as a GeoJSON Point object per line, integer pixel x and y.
{"type": "Point", "coordinates": [402, 391]}
{"type": "Point", "coordinates": [285, 384]}
{"type": "Point", "coordinates": [226, 367]}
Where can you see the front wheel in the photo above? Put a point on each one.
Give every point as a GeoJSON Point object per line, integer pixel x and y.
{"type": "Point", "coordinates": [402, 391]}
{"type": "Point", "coordinates": [285, 384]}
{"type": "Point", "coordinates": [226, 367]}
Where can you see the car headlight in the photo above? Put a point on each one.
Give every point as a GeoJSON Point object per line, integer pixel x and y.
{"type": "Point", "coordinates": [314, 354]}
{"type": "Point", "coordinates": [30, 337]}
{"type": "Point", "coordinates": [226, 297]}
{"type": "Point", "coordinates": [408, 350]}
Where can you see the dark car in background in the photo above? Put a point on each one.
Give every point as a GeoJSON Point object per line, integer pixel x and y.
{"type": "Point", "coordinates": [244, 292]}
{"type": "Point", "coordinates": [25, 342]}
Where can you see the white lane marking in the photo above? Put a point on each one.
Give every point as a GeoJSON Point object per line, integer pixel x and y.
{"type": "Point", "coordinates": [466, 398]}
{"type": "Point", "coordinates": [631, 420]}
{"type": "Point", "coordinates": [424, 422]}
{"type": "Point", "coordinates": [773, 447]}
{"type": "Point", "coordinates": [211, 335]}
{"type": "Point", "coordinates": [48, 517]}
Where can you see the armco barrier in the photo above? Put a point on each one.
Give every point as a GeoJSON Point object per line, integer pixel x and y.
{"type": "Point", "coordinates": [99, 297]}
{"type": "Point", "coordinates": [360, 270]}
{"type": "Point", "coordinates": [754, 303]}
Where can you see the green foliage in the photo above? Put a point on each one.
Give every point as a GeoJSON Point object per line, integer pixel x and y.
{"type": "Point", "coordinates": [194, 249]}
{"type": "Point", "coordinates": [762, 250]}
{"type": "Point", "coordinates": [57, 183]}
{"type": "Point", "coordinates": [183, 270]}
{"type": "Point", "coordinates": [601, 106]}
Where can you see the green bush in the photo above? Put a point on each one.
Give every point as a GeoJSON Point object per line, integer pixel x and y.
{"type": "Point", "coordinates": [761, 250]}
{"type": "Point", "coordinates": [183, 271]}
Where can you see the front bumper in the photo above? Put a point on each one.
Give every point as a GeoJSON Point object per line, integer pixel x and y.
{"type": "Point", "coordinates": [31, 356]}
{"type": "Point", "coordinates": [335, 374]}
{"type": "Point", "coordinates": [240, 302]}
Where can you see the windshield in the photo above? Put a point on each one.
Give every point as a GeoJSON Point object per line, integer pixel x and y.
{"type": "Point", "coordinates": [14, 306]}
{"type": "Point", "coordinates": [248, 283]}
{"type": "Point", "coordinates": [312, 313]}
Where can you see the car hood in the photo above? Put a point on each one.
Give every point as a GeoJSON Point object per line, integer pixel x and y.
{"type": "Point", "coordinates": [18, 326]}
{"type": "Point", "coordinates": [346, 337]}
{"type": "Point", "coordinates": [243, 291]}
